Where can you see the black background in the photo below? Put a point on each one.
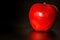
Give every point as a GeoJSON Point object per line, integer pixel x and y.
{"type": "Point", "coordinates": [14, 18]}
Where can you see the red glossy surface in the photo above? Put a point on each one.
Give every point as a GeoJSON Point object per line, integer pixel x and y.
{"type": "Point", "coordinates": [42, 16]}
{"type": "Point", "coordinates": [41, 36]}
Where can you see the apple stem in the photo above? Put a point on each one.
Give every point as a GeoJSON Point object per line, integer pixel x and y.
{"type": "Point", "coordinates": [44, 3]}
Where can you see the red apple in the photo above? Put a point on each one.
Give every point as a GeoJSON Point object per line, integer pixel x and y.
{"type": "Point", "coordinates": [42, 16]}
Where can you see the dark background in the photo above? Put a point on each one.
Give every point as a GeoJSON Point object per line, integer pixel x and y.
{"type": "Point", "coordinates": [14, 18]}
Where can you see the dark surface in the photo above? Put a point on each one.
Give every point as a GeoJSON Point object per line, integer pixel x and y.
{"type": "Point", "coordinates": [15, 23]}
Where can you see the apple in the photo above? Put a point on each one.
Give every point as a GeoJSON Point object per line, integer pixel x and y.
{"type": "Point", "coordinates": [42, 36]}
{"type": "Point", "coordinates": [42, 16]}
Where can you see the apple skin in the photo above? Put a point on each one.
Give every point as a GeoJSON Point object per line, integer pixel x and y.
{"type": "Point", "coordinates": [42, 16]}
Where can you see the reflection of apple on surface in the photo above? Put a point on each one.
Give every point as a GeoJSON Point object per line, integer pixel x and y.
{"type": "Point", "coordinates": [42, 16]}
{"type": "Point", "coordinates": [42, 36]}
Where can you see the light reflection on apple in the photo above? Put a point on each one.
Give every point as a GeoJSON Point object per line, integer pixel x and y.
{"type": "Point", "coordinates": [42, 36]}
